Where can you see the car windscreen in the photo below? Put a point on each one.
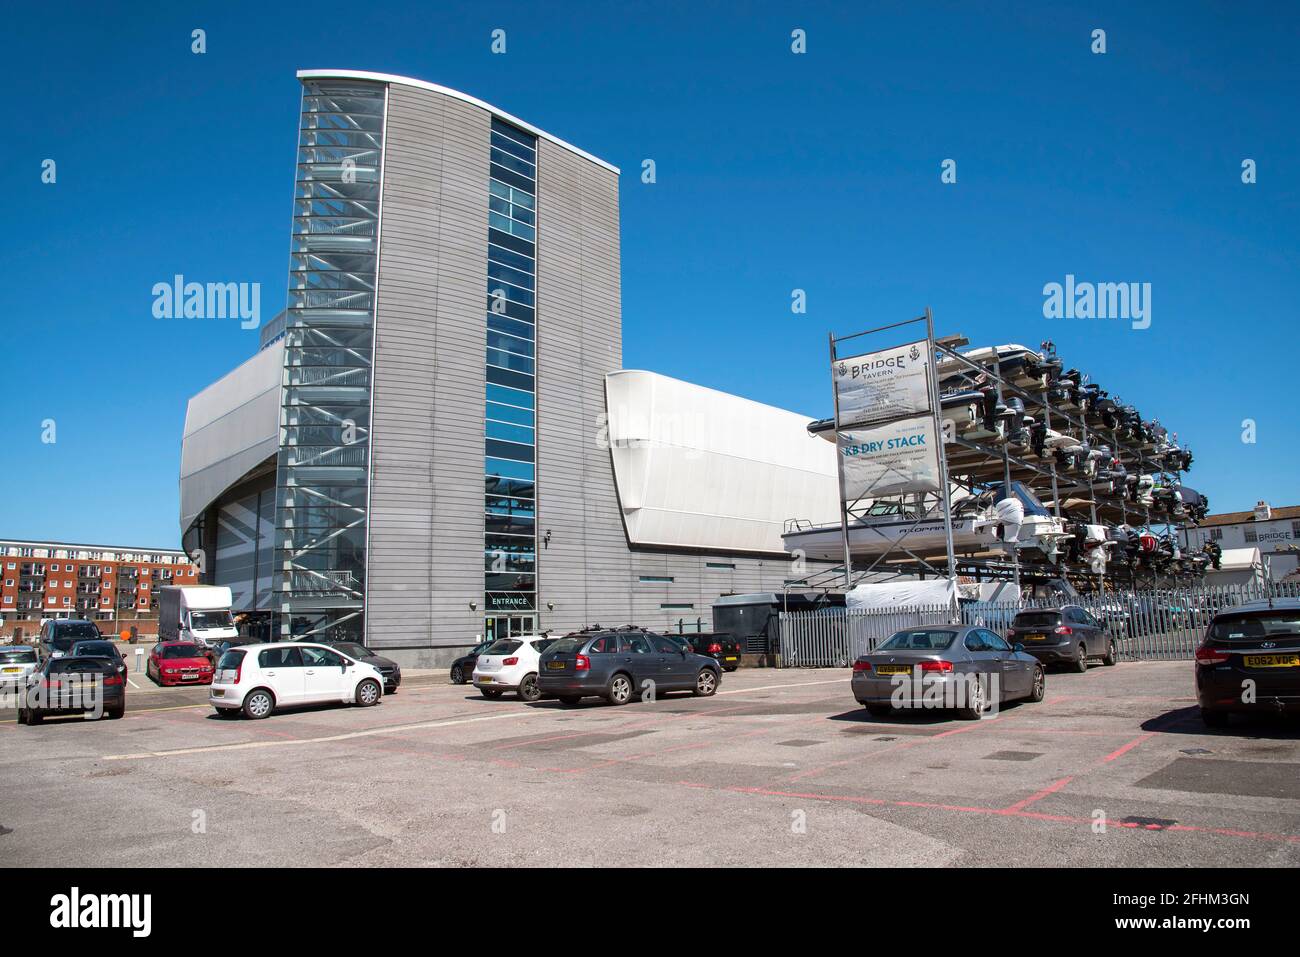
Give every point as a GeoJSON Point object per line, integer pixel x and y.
{"type": "Point", "coordinates": [182, 651]}
{"type": "Point", "coordinates": [920, 639]}
{"type": "Point", "coordinates": [25, 657]}
{"type": "Point", "coordinates": [60, 642]}
{"type": "Point", "coordinates": [1036, 619]}
{"type": "Point", "coordinates": [353, 650]}
{"type": "Point", "coordinates": [75, 630]}
{"type": "Point", "coordinates": [1271, 624]}
{"type": "Point", "coordinates": [231, 658]}
{"type": "Point", "coordinates": [503, 646]}
{"type": "Point", "coordinates": [95, 649]}
{"type": "Point", "coordinates": [203, 620]}
{"type": "Point", "coordinates": [566, 646]}
{"type": "Point", "coordinates": [541, 644]}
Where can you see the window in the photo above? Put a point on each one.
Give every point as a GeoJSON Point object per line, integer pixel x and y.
{"type": "Point", "coordinates": [279, 658]}
{"type": "Point", "coordinates": [656, 578]}
{"type": "Point", "coordinates": [664, 646]}
{"type": "Point", "coordinates": [730, 565]}
{"type": "Point", "coordinates": [321, 657]}
{"type": "Point", "coordinates": [1251, 535]}
{"type": "Point", "coordinates": [677, 607]}
{"type": "Point", "coordinates": [637, 644]}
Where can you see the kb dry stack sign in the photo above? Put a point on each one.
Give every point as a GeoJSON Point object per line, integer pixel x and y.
{"type": "Point", "coordinates": [884, 423]}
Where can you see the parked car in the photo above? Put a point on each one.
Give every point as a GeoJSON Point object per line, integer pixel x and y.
{"type": "Point", "coordinates": [179, 663]}
{"type": "Point", "coordinates": [618, 665]}
{"type": "Point", "coordinates": [722, 648]}
{"type": "Point", "coordinates": [956, 666]}
{"type": "Point", "coordinates": [216, 649]}
{"type": "Point", "coordinates": [462, 669]}
{"type": "Point", "coordinates": [16, 663]}
{"type": "Point", "coordinates": [510, 664]}
{"type": "Point", "coordinates": [1063, 636]}
{"type": "Point", "coordinates": [385, 666]}
{"type": "Point", "coordinates": [57, 636]}
{"type": "Point", "coordinates": [1255, 648]}
{"type": "Point", "coordinates": [99, 649]}
{"type": "Point", "coordinates": [259, 679]}
{"type": "Point", "coordinates": [69, 685]}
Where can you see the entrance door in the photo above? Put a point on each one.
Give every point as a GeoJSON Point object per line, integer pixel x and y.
{"type": "Point", "coordinates": [509, 626]}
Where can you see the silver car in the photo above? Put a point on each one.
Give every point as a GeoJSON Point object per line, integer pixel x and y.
{"type": "Point", "coordinates": [16, 663]}
{"type": "Point", "coordinates": [963, 668]}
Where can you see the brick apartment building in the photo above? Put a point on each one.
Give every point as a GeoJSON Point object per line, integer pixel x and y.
{"type": "Point", "coordinates": [114, 586]}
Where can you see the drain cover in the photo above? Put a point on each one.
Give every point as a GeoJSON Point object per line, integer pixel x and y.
{"type": "Point", "coordinates": [1150, 823]}
{"type": "Point", "coordinates": [1013, 756]}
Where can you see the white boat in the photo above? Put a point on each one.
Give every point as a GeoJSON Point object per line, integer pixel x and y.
{"type": "Point", "coordinates": [980, 523]}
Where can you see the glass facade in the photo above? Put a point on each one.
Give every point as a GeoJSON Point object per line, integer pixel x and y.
{"type": "Point", "coordinates": [510, 453]}
{"type": "Point", "coordinates": [323, 467]}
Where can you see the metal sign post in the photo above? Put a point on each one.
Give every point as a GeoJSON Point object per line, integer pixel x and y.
{"type": "Point", "coordinates": [839, 473]}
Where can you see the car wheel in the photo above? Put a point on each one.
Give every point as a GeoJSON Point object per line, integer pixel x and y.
{"type": "Point", "coordinates": [879, 710]}
{"type": "Point", "coordinates": [367, 693]}
{"type": "Point", "coordinates": [259, 703]}
{"type": "Point", "coordinates": [528, 690]}
{"type": "Point", "coordinates": [1214, 719]}
{"type": "Point", "coordinates": [977, 698]}
{"type": "Point", "coordinates": [620, 689]}
{"type": "Point", "coordinates": [489, 692]}
{"type": "Point", "coordinates": [22, 715]}
{"type": "Point", "coordinates": [1110, 659]}
{"type": "Point", "coordinates": [706, 683]}
{"type": "Point", "coordinates": [227, 712]}
{"type": "Point", "coordinates": [34, 717]}
{"type": "Point", "coordinates": [115, 713]}
{"type": "Point", "coordinates": [457, 675]}
{"type": "Point", "coordinates": [1038, 687]}
{"type": "Point", "coordinates": [570, 699]}
{"type": "Point", "coordinates": [1081, 663]}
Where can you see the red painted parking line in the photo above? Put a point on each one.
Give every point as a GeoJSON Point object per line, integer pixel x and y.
{"type": "Point", "coordinates": [1120, 752]}
{"type": "Point", "coordinates": [998, 812]}
{"type": "Point", "coordinates": [1039, 795]}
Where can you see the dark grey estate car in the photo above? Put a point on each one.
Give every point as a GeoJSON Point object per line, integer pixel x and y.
{"type": "Point", "coordinates": [619, 665]}
{"type": "Point", "coordinates": [1068, 635]}
{"type": "Point", "coordinates": [964, 668]}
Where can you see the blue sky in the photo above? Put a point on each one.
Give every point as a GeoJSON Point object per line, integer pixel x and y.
{"type": "Point", "coordinates": [775, 171]}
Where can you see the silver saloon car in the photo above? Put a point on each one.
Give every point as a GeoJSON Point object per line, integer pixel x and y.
{"type": "Point", "coordinates": [962, 668]}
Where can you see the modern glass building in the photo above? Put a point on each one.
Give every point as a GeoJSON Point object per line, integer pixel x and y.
{"type": "Point", "coordinates": [438, 442]}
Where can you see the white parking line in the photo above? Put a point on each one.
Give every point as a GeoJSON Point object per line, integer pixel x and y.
{"type": "Point", "coordinates": [372, 732]}
{"type": "Point", "coordinates": [288, 742]}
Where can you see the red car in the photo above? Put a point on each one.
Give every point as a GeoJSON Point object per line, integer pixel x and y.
{"type": "Point", "coordinates": [179, 663]}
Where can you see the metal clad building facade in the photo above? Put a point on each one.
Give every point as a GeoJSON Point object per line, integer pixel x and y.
{"type": "Point", "coordinates": [442, 463]}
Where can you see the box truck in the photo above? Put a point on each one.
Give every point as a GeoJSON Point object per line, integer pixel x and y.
{"type": "Point", "coordinates": [198, 613]}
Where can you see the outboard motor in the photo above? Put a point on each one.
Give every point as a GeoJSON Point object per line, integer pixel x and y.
{"type": "Point", "coordinates": [1011, 514]}
{"type": "Point", "coordinates": [1214, 553]}
{"type": "Point", "coordinates": [989, 405]}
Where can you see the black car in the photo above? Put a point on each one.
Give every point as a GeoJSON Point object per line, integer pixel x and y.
{"type": "Point", "coordinates": [387, 667]}
{"type": "Point", "coordinates": [69, 685]}
{"type": "Point", "coordinates": [1068, 635]}
{"type": "Point", "coordinates": [621, 664]}
{"type": "Point", "coordinates": [722, 648]}
{"type": "Point", "coordinates": [462, 669]}
{"type": "Point", "coordinates": [99, 648]}
{"type": "Point", "coordinates": [1250, 661]}
{"type": "Point", "coordinates": [58, 635]}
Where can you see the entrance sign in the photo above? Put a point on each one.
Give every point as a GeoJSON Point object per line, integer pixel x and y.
{"type": "Point", "coordinates": [895, 459]}
{"type": "Point", "coordinates": [879, 386]}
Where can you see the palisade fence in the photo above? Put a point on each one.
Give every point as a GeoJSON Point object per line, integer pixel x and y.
{"type": "Point", "coordinates": [1155, 625]}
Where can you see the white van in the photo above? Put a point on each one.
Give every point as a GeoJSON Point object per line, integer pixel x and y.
{"type": "Point", "coordinates": [197, 613]}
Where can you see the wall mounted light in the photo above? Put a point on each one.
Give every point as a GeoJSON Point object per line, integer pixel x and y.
{"type": "Point", "coordinates": [473, 605]}
{"type": "Point", "coordinates": [546, 539]}
{"type": "Point", "coordinates": [550, 606]}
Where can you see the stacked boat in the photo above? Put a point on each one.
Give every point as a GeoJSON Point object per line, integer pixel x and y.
{"type": "Point", "coordinates": [1046, 467]}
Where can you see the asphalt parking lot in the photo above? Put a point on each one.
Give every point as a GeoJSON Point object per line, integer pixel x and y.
{"type": "Point", "coordinates": [780, 768]}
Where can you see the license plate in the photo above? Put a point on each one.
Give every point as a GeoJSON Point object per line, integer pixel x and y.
{"type": "Point", "coordinates": [484, 680]}
{"type": "Point", "coordinates": [1272, 661]}
{"type": "Point", "coordinates": [893, 669]}
{"type": "Point", "coordinates": [555, 666]}
{"type": "Point", "coordinates": [1035, 637]}
{"type": "Point", "coordinates": [731, 658]}
{"type": "Point", "coordinates": [13, 671]}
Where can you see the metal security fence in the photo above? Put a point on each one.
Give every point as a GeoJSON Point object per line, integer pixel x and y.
{"type": "Point", "coordinates": [1154, 625]}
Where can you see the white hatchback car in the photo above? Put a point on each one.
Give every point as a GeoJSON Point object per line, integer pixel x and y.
{"type": "Point", "coordinates": [510, 664]}
{"type": "Point", "coordinates": [257, 679]}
